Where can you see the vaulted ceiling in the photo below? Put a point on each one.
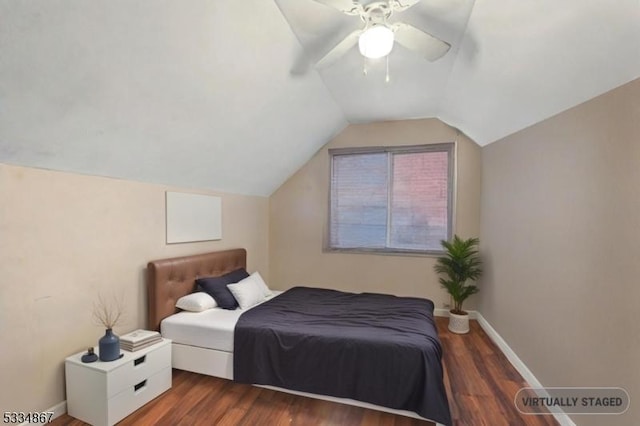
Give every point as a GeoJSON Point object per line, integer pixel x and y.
{"type": "Point", "coordinates": [223, 95]}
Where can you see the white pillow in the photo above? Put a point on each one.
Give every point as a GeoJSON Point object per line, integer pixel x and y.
{"type": "Point", "coordinates": [265, 289]}
{"type": "Point", "coordinates": [196, 302]}
{"type": "Point", "coordinates": [247, 292]}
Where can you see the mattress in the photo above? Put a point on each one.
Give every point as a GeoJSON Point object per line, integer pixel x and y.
{"type": "Point", "coordinates": [210, 329]}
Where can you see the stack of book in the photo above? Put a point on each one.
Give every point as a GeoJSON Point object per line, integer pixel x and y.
{"type": "Point", "coordinates": [139, 339]}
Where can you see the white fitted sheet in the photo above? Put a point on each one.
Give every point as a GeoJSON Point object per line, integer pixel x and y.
{"type": "Point", "coordinates": [211, 329]}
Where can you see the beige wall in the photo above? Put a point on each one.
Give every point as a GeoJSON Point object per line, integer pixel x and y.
{"type": "Point", "coordinates": [298, 215]}
{"type": "Point", "coordinates": [64, 238]}
{"type": "Point", "coordinates": [561, 234]}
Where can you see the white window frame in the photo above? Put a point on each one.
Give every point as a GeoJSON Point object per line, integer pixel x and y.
{"type": "Point", "coordinates": [449, 148]}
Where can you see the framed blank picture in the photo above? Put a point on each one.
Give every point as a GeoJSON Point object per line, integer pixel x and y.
{"type": "Point", "coordinates": [193, 217]}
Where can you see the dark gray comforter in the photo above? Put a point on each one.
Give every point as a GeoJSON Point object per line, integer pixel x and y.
{"type": "Point", "coordinates": [374, 348]}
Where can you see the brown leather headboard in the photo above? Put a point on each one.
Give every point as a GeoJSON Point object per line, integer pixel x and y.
{"type": "Point", "coordinates": [170, 279]}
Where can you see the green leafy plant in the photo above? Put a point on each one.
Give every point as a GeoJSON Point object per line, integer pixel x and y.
{"type": "Point", "coordinates": [460, 264]}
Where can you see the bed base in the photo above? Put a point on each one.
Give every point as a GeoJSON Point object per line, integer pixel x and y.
{"type": "Point", "coordinates": [216, 363]}
{"type": "Point", "coordinates": [203, 361]}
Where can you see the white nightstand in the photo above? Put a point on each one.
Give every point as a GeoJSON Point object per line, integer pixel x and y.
{"type": "Point", "coordinates": [103, 393]}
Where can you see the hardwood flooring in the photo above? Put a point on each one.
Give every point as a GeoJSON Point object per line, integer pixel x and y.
{"type": "Point", "coordinates": [480, 381]}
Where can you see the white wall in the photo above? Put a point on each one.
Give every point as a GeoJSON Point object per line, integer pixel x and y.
{"type": "Point", "coordinates": [561, 237]}
{"type": "Point", "coordinates": [66, 237]}
{"type": "Point", "coordinates": [299, 209]}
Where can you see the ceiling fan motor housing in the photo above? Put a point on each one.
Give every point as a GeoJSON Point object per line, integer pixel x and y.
{"type": "Point", "coordinates": [376, 13]}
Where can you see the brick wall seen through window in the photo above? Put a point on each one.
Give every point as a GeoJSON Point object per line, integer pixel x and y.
{"type": "Point", "coordinates": [391, 199]}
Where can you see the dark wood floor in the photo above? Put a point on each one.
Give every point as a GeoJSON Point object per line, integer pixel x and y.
{"type": "Point", "coordinates": [480, 382]}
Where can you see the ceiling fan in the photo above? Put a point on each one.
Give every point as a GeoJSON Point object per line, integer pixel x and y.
{"type": "Point", "coordinates": [377, 37]}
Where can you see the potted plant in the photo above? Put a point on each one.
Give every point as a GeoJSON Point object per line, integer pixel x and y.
{"type": "Point", "coordinates": [459, 267]}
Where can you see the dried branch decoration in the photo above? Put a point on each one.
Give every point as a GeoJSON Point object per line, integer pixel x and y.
{"type": "Point", "coordinates": [108, 312]}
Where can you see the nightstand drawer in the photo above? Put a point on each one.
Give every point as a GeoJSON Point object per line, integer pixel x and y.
{"type": "Point", "coordinates": [138, 394]}
{"type": "Point", "coordinates": [137, 368]}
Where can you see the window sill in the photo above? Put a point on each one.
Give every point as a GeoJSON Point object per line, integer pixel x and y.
{"type": "Point", "coordinates": [385, 252]}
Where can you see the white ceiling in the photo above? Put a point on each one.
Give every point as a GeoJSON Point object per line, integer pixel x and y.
{"type": "Point", "coordinates": [220, 95]}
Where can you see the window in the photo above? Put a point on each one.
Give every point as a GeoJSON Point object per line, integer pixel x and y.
{"type": "Point", "coordinates": [392, 200]}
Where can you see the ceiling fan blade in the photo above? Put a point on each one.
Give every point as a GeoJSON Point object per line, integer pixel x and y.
{"type": "Point", "coordinates": [402, 5]}
{"type": "Point", "coordinates": [339, 49]}
{"type": "Point", "coordinates": [428, 46]}
{"type": "Point", "coordinates": [349, 7]}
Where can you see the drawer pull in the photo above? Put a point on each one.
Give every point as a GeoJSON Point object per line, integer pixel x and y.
{"type": "Point", "coordinates": [139, 386]}
{"type": "Point", "coordinates": [139, 360]}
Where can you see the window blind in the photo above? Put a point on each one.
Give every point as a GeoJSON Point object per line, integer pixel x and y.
{"type": "Point", "coordinates": [391, 200]}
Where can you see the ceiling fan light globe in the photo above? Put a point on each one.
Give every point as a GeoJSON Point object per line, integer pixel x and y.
{"type": "Point", "coordinates": [376, 42]}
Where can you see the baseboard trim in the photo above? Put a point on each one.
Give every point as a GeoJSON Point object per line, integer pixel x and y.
{"type": "Point", "coordinates": [58, 410]}
{"type": "Point", "coordinates": [518, 364]}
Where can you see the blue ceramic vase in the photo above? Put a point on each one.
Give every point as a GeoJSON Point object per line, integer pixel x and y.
{"type": "Point", "coordinates": [109, 346]}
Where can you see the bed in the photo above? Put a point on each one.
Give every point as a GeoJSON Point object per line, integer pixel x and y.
{"type": "Point", "coordinates": [265, 351]}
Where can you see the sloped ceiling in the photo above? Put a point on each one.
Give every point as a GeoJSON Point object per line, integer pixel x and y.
{"type": "Point", "coordinates": [222, 94]}
{"type": "Point", "coordinates": [193, 93]}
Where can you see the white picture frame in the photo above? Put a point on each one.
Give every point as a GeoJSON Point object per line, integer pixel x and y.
{"type": "Point", "coordinates": [193, 217]}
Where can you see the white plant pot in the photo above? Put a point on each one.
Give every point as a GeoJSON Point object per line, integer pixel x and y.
{"type": "Point", "coordinates": [458, 324]}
